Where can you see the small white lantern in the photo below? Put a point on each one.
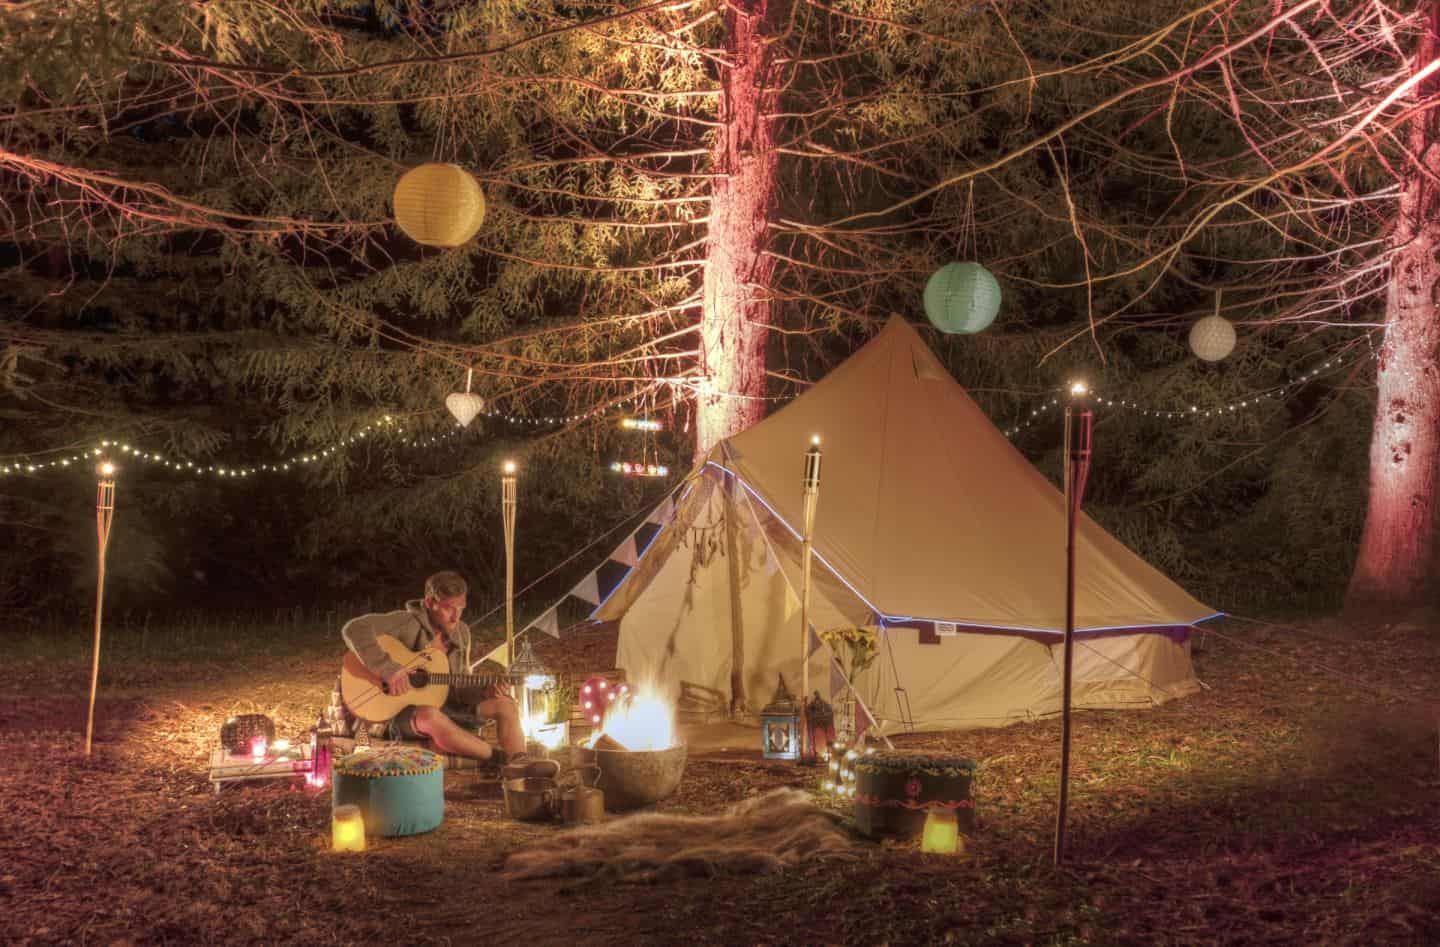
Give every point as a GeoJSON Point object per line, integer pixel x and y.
{"type": "Point", "coordinates": [465, 405]}
{"type": "Point", "coordinates": [1212, 338]}
{"type": "Point", "coordinates": [439, 205]}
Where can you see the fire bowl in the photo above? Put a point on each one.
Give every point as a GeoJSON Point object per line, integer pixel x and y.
{"type": "Point", "coordinates": [634, 778]}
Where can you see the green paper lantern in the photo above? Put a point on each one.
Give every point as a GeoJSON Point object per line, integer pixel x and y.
{"type": "Point", "coordinates": [962, 298]}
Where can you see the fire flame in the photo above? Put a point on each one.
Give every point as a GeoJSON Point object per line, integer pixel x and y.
{"type": "Point", "coordinates": [642, 722]}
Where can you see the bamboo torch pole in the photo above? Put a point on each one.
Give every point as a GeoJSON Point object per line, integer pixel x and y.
{"type": "Point", "coordinates": [1078, 423]}
{"type": "Point", "coordinates": [507, 510]}
{"type": "Point", "coordinates": [104, 513]}
{"type": "Point", "coordinates": [812, 498]}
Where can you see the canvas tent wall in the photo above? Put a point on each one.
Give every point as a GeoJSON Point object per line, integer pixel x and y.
{"type": "Point", "coordinates": [932, 529]}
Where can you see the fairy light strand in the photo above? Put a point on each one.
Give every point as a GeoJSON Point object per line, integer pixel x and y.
{"type": "Point", "coordinates": [386, 425]}
{"type": "Point", "coordinates": [1193, 411]}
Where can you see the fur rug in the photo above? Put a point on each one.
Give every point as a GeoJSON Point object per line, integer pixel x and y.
{"type": "Point", "coordinates": [761, 834]}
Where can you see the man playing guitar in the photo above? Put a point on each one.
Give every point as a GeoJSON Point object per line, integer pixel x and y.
{"type": "Point", "coordinates": [434, 622]}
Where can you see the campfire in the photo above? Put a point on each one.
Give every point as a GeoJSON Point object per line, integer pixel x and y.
{"type": "Point", "coordinates": [641, 722]}
{"type": "Point", "coordinates": [636, 752]}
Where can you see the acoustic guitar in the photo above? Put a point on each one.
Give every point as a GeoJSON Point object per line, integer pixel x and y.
{"type": "Point", "coordinates": [368, 697]}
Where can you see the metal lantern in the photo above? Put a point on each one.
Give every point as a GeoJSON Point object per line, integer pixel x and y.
{"type": "Point", "coordinates": [962, 298]}
{"type": "Point", "coordinates": [780, 726]}
{"type": "Point", "coordinates": [533, 678]}
{"type": "Point", "coordinates": [820, 719]}
{"type": "Point", "coordinates": [439, 205]}
{"type": "Point", "coordinates": [1212, 338]}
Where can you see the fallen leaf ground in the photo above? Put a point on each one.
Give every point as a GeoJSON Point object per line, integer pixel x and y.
{"type": "Point", "coordinates": [1292, 802]}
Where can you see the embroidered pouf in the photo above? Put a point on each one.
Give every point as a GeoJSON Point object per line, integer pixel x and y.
{"type": "Point", "coordinates": [894, 791]}
{"type": "Point", "coordinates": [400, 789]}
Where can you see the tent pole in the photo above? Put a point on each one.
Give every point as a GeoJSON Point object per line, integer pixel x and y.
{"type": "Point", "coordinates": [104, 514]}
{"type": "Point", "coordinates": [812, 498]}
{"type": "Point", "coordinates": [1077, 465]}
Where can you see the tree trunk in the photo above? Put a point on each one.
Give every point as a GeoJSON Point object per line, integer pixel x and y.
{"type": "Point", "coordinates": [735, 317]}
{"type": "Point", "coordinates": [1396, 565]}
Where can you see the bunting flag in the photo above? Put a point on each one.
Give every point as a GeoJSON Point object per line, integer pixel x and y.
{"type": "Point", "coordinates": [626, 554]}
{"type": "Point", "coordinates": [663, 513]}
{"type": "Point", "coordinates": [548, 623]}
{"type": "Point", "coordinates": [588, 590]}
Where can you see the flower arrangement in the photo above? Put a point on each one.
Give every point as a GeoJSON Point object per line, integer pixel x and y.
{"type": "Point", "coordinates": [855, 647]}
{"type": "Point", "coordinates": [559, 699]}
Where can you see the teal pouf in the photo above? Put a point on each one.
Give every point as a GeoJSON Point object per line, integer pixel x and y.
{"type": "Point", "coordinates": [400, 789]}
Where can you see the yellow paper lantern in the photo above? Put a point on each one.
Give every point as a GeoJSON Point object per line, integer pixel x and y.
{"type": "Point", "coordinates": [439, 205]}
{"type": "Point", "coordinates": [347, 829]}
{"type": "Point", "coordinates": [942, 833]}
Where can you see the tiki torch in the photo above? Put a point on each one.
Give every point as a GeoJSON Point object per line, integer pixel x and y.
{"type": "Point", "coordinates": [104, 513]}
{"type": "Point", "coordinates": [1078, 425]}
{"type": "Point", "coordinates": [812, 497]}
{"type": "Point", "coordinates": [507, 510]}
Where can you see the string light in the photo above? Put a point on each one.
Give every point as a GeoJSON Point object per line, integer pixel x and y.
{"type": "Point", "coordinates": [641, 424]}
{"type": "Point", "coordinates": [233, 471]}
{"type": "Point", "coordinates": [639, 470]}
{"type": "Point", "coordinates": [1278, 393]}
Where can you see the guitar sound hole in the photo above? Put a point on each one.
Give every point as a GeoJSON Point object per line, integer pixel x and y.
{"type": "Point", "coordinates": [419, 678]}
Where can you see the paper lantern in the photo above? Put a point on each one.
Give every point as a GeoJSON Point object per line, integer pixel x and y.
{"type": "Point", "coordinates": [1212, 338]}
{"type": "Point", "coordinates": [942, 832]}
{"type": "Point", "coordinates": [464, 406]}
{"type": "Point", "coordinates": [439, 205]}
{"type": "Point", "coordinates": [347, 829]}
{"type": "Point", "coordinates": [962, 298]}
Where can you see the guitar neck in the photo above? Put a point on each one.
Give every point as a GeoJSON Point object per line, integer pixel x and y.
{"type": "Point", "coordinates": [469, 680]}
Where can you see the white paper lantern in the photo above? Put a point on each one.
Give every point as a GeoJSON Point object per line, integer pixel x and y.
{"type": "Point", "coordinates": [1212, 338]}
{"type": "Point", "coordinates": [464, 406]}
{"type": "Point", "coordinates": [439, 205]}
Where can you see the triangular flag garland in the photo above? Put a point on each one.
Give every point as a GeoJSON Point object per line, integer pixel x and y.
{"type": "Point", "coordinates": [588, 590]}
{"type": "Point", "coordinates": [548, 623]}
{"type": "Point", "coordinates": [626, 553]}
{"type": "Point", "coordinates": [663, 513]}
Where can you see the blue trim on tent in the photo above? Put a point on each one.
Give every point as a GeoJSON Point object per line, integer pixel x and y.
{"type": "Point", "coordinates": [887, 619]}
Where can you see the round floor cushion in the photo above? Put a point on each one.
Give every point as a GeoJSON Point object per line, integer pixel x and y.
{"type": "Point", "coordinates": [400, 789]}
{"type": "Point", "coordinates": [895, 790]}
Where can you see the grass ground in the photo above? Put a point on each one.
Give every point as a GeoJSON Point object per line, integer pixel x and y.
{"type": "Point", "coordinates": [1292, 802]}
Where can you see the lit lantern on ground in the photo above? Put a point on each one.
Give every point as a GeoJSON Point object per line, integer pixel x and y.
{"type": "Point", "coordinates": [534, 678]}
{"type": "Point", "coordinates": [257, 748]}
{"type": "Point", "coordinates": [942, 832]}
{"type": "Point", "coordinates": [439, 205]}
{"type": "Point", "coordinates": [347, 829]}
{"type": "Point", "coordinates": [962, 298]}
{"type": "Point", "coordinates": [1212, 338]}
{"type": "Point", "coordinates": [820, 717]}
{"type": "Point", "coordinates": [780, 726]}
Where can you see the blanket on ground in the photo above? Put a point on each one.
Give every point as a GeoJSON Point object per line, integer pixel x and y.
{"type": "Point", "coordinates": [757, 835]}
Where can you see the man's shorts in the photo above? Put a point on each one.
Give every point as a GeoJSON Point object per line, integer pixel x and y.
{"type": "Point", "coordinates": [402, 725]}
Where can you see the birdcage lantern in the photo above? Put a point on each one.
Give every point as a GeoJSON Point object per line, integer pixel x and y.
{"type": "Point", "coordinates": [533, 679]}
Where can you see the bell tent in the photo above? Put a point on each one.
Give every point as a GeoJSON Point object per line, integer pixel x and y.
{"type": "Point", "coordinates": [932, 531]}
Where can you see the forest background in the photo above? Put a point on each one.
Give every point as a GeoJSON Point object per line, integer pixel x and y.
{"type": "Point", "coordinates": [694, 209]}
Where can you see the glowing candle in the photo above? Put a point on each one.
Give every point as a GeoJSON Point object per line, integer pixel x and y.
{"type": "Point", "coordinates": [347, 829]}
{"type": "Point", "coordinates": [257, 748]}
{"type": "Point", "coordinates": [942, 834]}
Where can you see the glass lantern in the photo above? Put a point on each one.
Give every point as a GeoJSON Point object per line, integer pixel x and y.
{"type": "Point", "coordinates": [780, 726]}
{"type": "Point", "coordinates": [533, 679]}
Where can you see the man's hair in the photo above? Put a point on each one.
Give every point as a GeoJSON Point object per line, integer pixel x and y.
{"type": "Point", "coordinates": [446, 584]}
